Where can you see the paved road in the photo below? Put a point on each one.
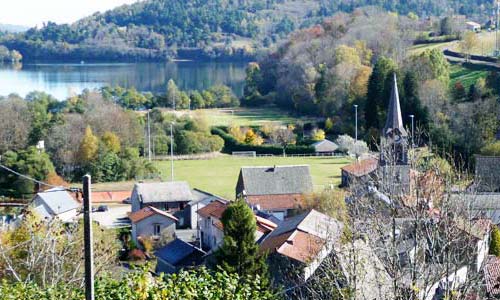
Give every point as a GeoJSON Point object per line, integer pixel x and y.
{"type": "Point", "coordinates": [116, 216]}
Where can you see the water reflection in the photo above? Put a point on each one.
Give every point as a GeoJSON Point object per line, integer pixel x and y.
{"type": "Point", "coordinates": [62, 80]}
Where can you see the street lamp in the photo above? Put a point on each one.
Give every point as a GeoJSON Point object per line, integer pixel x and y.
{"type": "Point", "coordinates": [412, 128]}
{"type": "Point", "coordinates": [172, 151]}
{"type": "Point", "coordinates": [356, 121]}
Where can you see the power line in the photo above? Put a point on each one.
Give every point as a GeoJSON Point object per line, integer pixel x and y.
{"type": "Point", "coordinates": [38, 181]}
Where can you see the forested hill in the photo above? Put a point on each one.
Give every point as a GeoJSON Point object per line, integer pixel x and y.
{"type": "Point", "coordinates": [202, 29]}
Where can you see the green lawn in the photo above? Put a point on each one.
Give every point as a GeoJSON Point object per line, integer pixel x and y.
{"type": "Point", "coordinates": [219, 175]}
{"type": "Point", "coordinates": [465, 75]}
{"type": "Point", "coordinates": [246, 116]}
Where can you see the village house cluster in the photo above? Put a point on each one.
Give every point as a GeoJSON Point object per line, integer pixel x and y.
{"type": "Point", "coordinates": [387, 240]}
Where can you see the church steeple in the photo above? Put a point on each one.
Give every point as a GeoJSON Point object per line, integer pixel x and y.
{"type": "Point", "coordinates": [394, 123]}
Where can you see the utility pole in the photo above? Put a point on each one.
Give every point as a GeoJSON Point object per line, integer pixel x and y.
{"type": "Point", "coordinates": [87, 238]}
{"type": "Point", "coordinates": [356, 122]}
{"type": "Point", "coordinates": [172, 151]}
{"type": "Point", "coordinates": [149, 139]}
{"type": "Point", "coordinates": [412, 126]}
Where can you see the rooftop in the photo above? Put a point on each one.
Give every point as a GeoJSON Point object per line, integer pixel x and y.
{"type": "Point", "coordinates": [147, 212]}
{"type": "Point", "coordinates": [58, 200]}
{"type": "Point", "coordinates": [164, 191]}
{"type": "Point", "coordinates": [177, 251]}
{"type": "Point", "coordinates": [361, 168]}
{"type": "Point", "coordinates": [276, 202]}
{"type": "Point", "coordinates": [276, 180]}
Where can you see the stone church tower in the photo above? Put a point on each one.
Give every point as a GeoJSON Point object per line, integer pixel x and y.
{"type": "Point", "coordinates": [394, 169]}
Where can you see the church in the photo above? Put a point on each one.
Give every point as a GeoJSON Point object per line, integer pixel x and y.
{"type": "Point", "coordinates": [391, 170]}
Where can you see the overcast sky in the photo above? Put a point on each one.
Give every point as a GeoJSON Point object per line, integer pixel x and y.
{"type": "Point", "coordinates": [35, 12]}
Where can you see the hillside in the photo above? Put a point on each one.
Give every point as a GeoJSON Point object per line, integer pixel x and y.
{"type": "Point", "coordinates": [199, 29]}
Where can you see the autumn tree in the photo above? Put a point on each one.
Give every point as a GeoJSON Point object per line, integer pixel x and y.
{"type": "Point", "coordinates": [284, 137]}
{"type": "Point", "coordinates": [468, 44]}
{"type": "Point", "coordinates": [111, 141]}
{"type": "Point", "coordinates": [15, 124]}
{"type": "Point", "coordinates": [239, 252]}
{"type": "Point", "coordinates": [173, 94]}
{"type": "Point", "coordinates": [318, 135]}
{"type": "Point", "coordinates": [88, 146]}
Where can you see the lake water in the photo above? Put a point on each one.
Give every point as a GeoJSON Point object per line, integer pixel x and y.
{"type": "Point", "coordinates": [62, 80]}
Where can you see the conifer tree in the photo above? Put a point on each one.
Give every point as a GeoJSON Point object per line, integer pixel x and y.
{"type": "Point", "coordinates": [411, 104]}
{"type": "Point", "coordinates": [239, 252]}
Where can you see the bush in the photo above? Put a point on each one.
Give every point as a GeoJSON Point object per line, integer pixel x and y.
{"type": "Point", "coordinates": [232, 145]}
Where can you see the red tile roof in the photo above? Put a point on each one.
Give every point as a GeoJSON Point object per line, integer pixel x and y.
{"type": "Point", "coordinates": [298, 245]}
{"type": "Point", "coordinates": [110, 197]}
{"type": "Point", "coordinates": [276, 202]}
{"type": "Point", "coordinates": [361, 168]}
{"type": "Point", "coordinates": [147, 212]}
{"type": "Point", "coordinates": [492, 275]}
{"type": "Point", "coordinates": [214, 209]}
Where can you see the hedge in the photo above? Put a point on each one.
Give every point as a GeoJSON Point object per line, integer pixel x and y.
{"type": "Point", "coordinates": [231, 145]}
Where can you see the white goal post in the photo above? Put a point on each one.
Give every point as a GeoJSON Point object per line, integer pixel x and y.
{"type": "Point", "coordinates": [244, 154]}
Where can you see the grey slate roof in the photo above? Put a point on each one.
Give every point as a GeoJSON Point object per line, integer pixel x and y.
{"type": "Point", "coordinates": [394, 119]}
{"type": "Point", "coordinates": [164, 191]}
{"type": "Point", "coordinates": [57, 200]}
{"type": "Point", "coordinates": [276, 180]}
{"type": "Point", "coordinates": [487, 177]}
{"type": "Point", "coordinates": [176, 251]}
{"type": "Point", "coordinates": [325, 146]}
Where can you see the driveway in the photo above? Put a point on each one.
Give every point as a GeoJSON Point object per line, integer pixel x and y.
{"type": "Point", "coordinates": [115, 217]}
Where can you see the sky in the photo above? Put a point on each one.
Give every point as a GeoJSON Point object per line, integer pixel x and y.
{"type": "Point", "coordinates": [35, 12]}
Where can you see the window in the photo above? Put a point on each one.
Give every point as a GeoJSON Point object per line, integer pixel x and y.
{"type": "Point", "coordinates": [156, 229]}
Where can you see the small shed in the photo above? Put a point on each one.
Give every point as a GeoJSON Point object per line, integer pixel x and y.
{"type": "Point", "coordinates": [473, 26]}
{"type": "Point", "coordinates": [325, 147]}
{"type": "Point", "coordinates": [359, 170]}
{"type": "Point", "coordinates": [178, 255]}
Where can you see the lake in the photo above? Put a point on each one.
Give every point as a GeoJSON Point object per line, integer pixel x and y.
{"type": "Point", "coordinates": [64, 79]}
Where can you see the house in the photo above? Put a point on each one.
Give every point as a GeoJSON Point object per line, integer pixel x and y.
{"type": "Point", "coordinates": [301, 243]}
{"type": "Point", "coordinates": [479, 239]}
{"type": "Point", "coordinates": [152, 222]}
{"type": "Point", "coordinates": [200, 200]}
{"type": "Point", "coordinates": [473, 26]}
{"type": "Point", "coordinates": [177, 255]}
{"type": "Point", "coordinates": [56, 203]}
{"type": "Point", "coordinates": [359, 171]}
{"type": "Point", "coordinates": [325, 147]}
{"type": "Point", "coordinates": [172, 197]}
{"type": "Point", "coordinates": [211, 228]}
{"type": "Point", "coordinates": [278, 190]}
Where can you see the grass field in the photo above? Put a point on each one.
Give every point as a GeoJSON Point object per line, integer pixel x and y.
{"type": "Point", "coordinates": [465, 75]}
{"type": "Point", "coordinates": [245, 116]}
{"type": "Point", "coordinates": [219, 175]}
{"type": "Point", "coordinates": [485, 45]}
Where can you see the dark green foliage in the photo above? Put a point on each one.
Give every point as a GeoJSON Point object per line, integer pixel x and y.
{"type": "Point", "coordinates": [239, 252]}
{"type": "Point", "coordinates": [231, 145]}
{"type": "Point", "coordinates": [458, 92]}
{"type": "Point", "coordinates": [495, 241]}
{"type": "Point", "coordinates": [379, 89]}
{"type": "Point", "coordinates": [410, 103]}
{"type": "Point", "coordinates": [29, 162]}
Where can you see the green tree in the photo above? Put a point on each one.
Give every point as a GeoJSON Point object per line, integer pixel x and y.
{"type": "Point", "coordinates": [379, 88]}
{"type": "Point", "coordinates": [239, 253]}
{"type": "Point", "coordinates": [411, 104]}
{"type": "Point", "coordinates": [495, 241]}
{"type": "Point", "coordinates": [197, 100]}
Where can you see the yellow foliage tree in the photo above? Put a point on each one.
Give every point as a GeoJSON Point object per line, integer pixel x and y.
{"type": "Point", "coordinates": [88, 146]}
{"type": "Point", "coordinates": [318, 135]}
{"type": "Point", "coordinates": [253, 138]}
{"type": "Point", "coordinates": [359, 84]}
{"type": "Point", "coordinates": [111, 141]}
{"type": "Point", "coordinates": [236, 132]}
{"type": "Point", "coordinates": [469, 43]}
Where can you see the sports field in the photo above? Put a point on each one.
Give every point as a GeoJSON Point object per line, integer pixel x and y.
{"type": "Point", "coordinates": [219, 175]}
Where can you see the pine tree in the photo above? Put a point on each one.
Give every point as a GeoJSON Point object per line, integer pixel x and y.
{"type": "Point", "coordinates": [410, 102]}
{"type": "Point", "coordinates": [495, 242]}
{"type": "Point", "coordinates": [378, 93]}
{"type": "Point", "coordinates": [239, 252]}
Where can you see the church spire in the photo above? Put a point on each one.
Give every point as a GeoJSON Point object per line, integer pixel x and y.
{"type": "Point", "coordinates": [394, 119]}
